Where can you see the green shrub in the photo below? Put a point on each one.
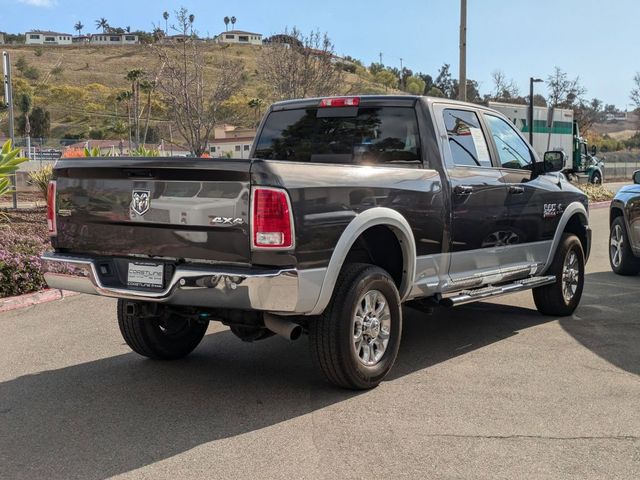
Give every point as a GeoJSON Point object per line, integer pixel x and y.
{"type": "Point", "coordinates": [38, 51]}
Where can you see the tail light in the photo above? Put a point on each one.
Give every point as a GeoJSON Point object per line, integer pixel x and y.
{"type": "Point", "coordinates": [340, 102]}
{"type": "Point", "coordinates": [51, 209]}
{"type": "Point", "coordinates": [272, 221]}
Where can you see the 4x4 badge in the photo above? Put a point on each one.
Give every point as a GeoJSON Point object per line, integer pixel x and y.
{"type": "Point", "coordinates": [140, 200]}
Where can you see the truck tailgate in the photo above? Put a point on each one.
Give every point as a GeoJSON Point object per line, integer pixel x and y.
{"type": "Point", "coordinates": [186, 208]}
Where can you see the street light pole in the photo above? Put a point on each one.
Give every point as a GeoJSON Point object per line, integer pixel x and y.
{"type": "Point", "coordinates": [8, 94]}
{"type": "Point", "coordinates": [462, 83]}
{"type": "Point", "coordinates": [531, 82]}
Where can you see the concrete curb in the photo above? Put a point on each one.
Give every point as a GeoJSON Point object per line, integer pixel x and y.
{"type": "Point", "coordinates": [36, 298]}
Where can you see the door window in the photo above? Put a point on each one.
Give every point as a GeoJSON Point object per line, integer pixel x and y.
{"type": "Point", "coordinates": [512, 150]}
{"type": "Point", "coordinates": [466, 140]}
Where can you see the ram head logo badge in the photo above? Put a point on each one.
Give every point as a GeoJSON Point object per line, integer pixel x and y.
{"type": "Point", "coordinates": [140, 200]}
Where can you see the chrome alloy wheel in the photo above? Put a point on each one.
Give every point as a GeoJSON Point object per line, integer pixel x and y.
{"type": "Point", "coordinates": [570, 275]}
{"type": "Point", "coordinates": [615, 246]}
{"type": "Point", "coordinates": [371, 327]}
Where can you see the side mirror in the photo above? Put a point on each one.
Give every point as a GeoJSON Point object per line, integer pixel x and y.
{"type": "Point", "coordinates": [554, 161]}
{"type": "Point", "coordinates": [594, 150]}
{"type": "Point", "coordinates": [636, 177]}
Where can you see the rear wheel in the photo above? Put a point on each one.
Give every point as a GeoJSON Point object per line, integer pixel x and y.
{"type": "Point", "coordinates": [355, 341]}
{"type": "Point", "coordinates": [562, 297]}
{"type": "Point", "coordinates": [163, 337]}
{"type": "Point", "coordinates": [621, 257]}
{"type": "Point", "coordinates": [596, 178]}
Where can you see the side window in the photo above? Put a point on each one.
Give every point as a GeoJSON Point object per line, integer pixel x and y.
{"type": "Point", "coordinates": [466, 140]}
{"type": "Point", "coordinates": [512, 150]}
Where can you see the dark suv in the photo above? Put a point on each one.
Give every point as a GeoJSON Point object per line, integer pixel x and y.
{"type": "Point", "coordinates": [624, 238]}
{"type": "Point", "coordinates": [347, 208]}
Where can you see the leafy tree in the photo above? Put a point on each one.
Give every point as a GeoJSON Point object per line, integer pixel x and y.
{"type": "Point", "coordinates": [414, 85]}
{"type": "Point", "coordinates": [376, 68]}
{"type": "Point", "coordinates": [444, 81]}
{"type": "Point", "coordinates": [40, 122]}
{"type": "Point", "coordinates": [386, 78]}
{"type": "Point", "coordinates": [435, 92]}
{"type": "Point", "coordinates": [635, 96]}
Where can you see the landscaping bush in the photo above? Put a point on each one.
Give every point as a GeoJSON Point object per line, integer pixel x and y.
{"type": "Point", "coordinates": [596, 193]}
{"type": "Point", "coordinates": [20, 265]}
{"type": "Point", "coordinates": [40, 179]}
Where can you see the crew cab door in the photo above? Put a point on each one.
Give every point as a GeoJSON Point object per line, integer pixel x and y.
{"type": "Point", "coordinates": [533, 205]}
{"type": "Point", "coordinates": [478, 196]}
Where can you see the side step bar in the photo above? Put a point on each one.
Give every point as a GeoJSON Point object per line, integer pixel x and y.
{"type": "Point", "coordinates": [468, 296]}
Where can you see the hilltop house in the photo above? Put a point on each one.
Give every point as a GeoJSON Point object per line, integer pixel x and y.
{"type": "Point", "coordinates": [40, 37]}
{"type": "Point", "coordinates": [231, 141]}
{"type": "Point", "coordinates": [1, 38]}
{"type": "Point", "coordinates": [114, 39]}
{"type": "Point", "coordinates": [239, 37]}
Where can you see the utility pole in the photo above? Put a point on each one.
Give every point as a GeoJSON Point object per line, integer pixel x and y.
{"type": "Point", "coordinates": [401, 75]}
{"type": "Point", "coordinates": [531, 82]}
{"type": "Point", "coordinates": [462, 83]}
{"type": "Point", "coordinates": [8, 97]}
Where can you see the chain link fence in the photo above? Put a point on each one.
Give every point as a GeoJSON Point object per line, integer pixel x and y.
{"type": "Point", "coordinates": [619, 166]}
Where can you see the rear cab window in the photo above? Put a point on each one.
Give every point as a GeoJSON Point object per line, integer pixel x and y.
{"type": "Point", "coordinates": [364, 135]}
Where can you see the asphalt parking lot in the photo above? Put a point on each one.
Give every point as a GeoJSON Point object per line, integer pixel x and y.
{"type": "Point", "coordinates": [486, 391]}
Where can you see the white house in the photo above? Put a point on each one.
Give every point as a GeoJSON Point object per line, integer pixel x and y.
{"type": "Point", "coordinates": [114, 39]}
{"type": "Point", "coordinates": [1, 38]}
{"type": "Point", "coordinates": [39, 37]}
{"type": "Point", "coordinates": [239, 37]}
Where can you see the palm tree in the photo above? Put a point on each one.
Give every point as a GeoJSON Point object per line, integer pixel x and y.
{"type": "Point", "coordinates": [233, 22]}
{"type": "Point", "coordinates": [128, 29]}
{"type": "Point", "coordinates": [135, 76]}
{"type": "Point", "coordinates": [147, 86]}
{"type": "Point", "coordinates": [126, 96]}
{"type": "Point", "coordinates": [79, 26]}
{"type": "Point", "coordinates": [256, 104]}
{"type": "Point", "coordinates": [226, 23]}
{"type": "Point", "coordinates": [165, 15]}
{"type": "Point", "coordinates": [103, 24]}
{"type": "Point", "coordinates": [192, 18]}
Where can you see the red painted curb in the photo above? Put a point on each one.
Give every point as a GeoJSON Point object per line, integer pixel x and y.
{"type": "Point", "coordinates": [30, 299]}
{"type": "Point", "coordinates": [596, 205]}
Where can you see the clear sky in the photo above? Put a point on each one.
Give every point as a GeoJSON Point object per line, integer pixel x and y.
{"type": "Point", "coordinates": [593, 39]}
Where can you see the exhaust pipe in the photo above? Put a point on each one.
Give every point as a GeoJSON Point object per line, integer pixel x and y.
{"type": "Point", "coordinates": [282, 327]}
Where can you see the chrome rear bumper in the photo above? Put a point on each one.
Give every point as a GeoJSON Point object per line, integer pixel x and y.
{"type": "Point", "coordinates": [198, 286]}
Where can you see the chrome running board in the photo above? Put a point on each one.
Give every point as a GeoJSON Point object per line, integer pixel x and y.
{"type": "Point", "coordinates": [474, 295]}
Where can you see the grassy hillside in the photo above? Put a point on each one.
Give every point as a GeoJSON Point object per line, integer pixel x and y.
{"type": "Point", "coordinates": [78, 85]}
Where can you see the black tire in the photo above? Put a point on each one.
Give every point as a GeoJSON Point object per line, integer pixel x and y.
{"type": "Point", "coordinates": [596, 178]}
{"type": "Point", "coordinates": [331, 336]}
{"type": "Point", "coordinates": [550, 299]}
{"type": "Point", "coordinates": [625, 262]}
{"type": "Point", "coordinates": [160, 338]}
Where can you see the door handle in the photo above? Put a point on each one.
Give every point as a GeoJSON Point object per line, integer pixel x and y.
{"type": "Point", "coordinates": [463, 190]}
{"type": "Point", "coordinates": [516, 189]}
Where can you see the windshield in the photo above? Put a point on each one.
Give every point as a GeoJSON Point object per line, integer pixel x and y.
{"type": "Point", "coordinates": [369, 136]}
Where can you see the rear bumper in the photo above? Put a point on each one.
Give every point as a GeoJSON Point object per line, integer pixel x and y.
{"type": "Point", "coordinates": [197, 285]}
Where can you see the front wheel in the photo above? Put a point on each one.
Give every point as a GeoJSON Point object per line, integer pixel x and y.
{"type": "Point", "coordinates": [562, 297]}
{"type": "Point", "coordinates": [355, 341]}
{"type": "Point", "coordinates": [161, 337]}
{"type": "Point", "coordinates": [621, 257]}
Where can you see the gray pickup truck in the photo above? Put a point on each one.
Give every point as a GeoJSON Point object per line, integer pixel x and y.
{"type": "Point", "coordinates": [347, 207]}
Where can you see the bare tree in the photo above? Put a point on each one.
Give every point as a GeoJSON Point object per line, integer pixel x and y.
{"type": "Point", "coordinates": [301, 67]}
{"type": "Point", "coordinates": [635, 97]}
{"type": "Point", "coordinates": [563, 91]}
{"type": "Point", "coordinates": [193, 102]}
{"type": "Point", "coordinates": [503, 89]}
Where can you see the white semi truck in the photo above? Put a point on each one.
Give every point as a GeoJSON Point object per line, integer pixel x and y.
{"type": "Point", "coordinates": [556, 129]}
